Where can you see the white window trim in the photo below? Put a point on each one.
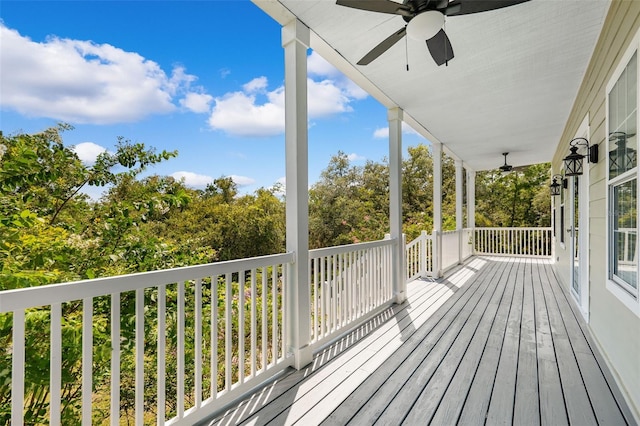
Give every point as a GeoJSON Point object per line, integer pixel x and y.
{"type": "Point", "coordinates": [621, 293]}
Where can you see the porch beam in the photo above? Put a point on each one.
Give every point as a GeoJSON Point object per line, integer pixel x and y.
{"type": "Point", "coordinates": [295, 41]}
{"type": "Point", "coordinates": [437, 207]}
{"type": "Point", "coordinates": [394, 116]}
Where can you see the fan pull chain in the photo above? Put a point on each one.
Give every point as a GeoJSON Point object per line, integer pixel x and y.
{"type": "Point", "coordinates": [444, 27]}
{"type": "Point", "coordinates": [406, 51]}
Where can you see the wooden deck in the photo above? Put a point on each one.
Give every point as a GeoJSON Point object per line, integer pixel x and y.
{"type": "Point", "coordinates": [496, 342]}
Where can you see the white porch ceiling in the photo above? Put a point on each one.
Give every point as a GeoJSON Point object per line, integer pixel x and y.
{"type": "Point", "coordinates": [510, 87]}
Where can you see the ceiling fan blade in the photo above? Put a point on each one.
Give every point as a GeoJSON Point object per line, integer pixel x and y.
{"type": "Point", "coordinates": [465, 7]}
{"type": "Point", "coordinates": [382, 6]}
{"type": "Point", "coordinates": [383, 46]}
{"type": "Point", "coordinates": [440, 48]}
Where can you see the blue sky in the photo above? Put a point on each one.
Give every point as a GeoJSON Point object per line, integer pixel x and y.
{"type": "Point", "coordinates": [203, 77]}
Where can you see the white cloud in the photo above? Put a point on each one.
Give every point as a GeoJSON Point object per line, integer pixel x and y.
{"type": "Point", "coordinates": [318, 66]}
{"type": "Point", "coordinates": [256, 111]}
{"type": "Point", "coordinates": [192, 179]}
{"type": "Point", "coordinates": [197, 102]}
{"type": "Point", "coordinates": [355, 157]}
{"type": "Point", "coordinates": [258, 84]}
{"type": "Point", "coordinates": [239, 114]}
{"type": "Point", "coordinates": [88, 152]}
{"type": "Point", "coordinates": [383, 132]}
{"type": "Point", "coordinates": [84, 82]}
{"type": "Point", "coordinates": [242, 180]}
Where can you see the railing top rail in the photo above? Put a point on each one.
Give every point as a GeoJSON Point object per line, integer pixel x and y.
{"type": "Point", "coordinates": [329, 251]}
{"type": "Point", "coordinates": [532, 228]}
{"type": "Point", "coordinates": [417, 240]}
{"type": "Point", "coordinates": [26, 298]}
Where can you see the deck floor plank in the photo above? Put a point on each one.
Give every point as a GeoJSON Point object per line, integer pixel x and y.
{"type": "Point", "coordinates": [365, 404]}
{"type": "Point", "coordinates": [526, 408]}
{"type": "Point", "coordinates": [504, 387]}
{"type": "Point", "coordinates": [369, 355]}
{"type": "Point", "coordinates": [579, 410]}
{"type": "Point", "coordinates": [463, 356]}
{"type": "Point", "coordinates": [602, 399]}
{"type": "Point", "coordinates": [328, 361]}
{"type": "Point", "coordinates": [473, 410]}
{"type": "Point", "coordinates": [396, 397]}
{"type": "Point", "coordinates": [552, 405]}
{"type": "Point", "coordinates": [497, 342]}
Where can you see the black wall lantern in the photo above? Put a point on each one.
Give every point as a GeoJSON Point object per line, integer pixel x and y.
{"type": "Point", "coordinates": [573, 161]}
{"type": "Point", "coordinates": [555, 187]}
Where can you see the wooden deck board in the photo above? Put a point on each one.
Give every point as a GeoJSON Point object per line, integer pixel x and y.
{"type": "Point", "coordinates": [498, 342]}
{"type": "Point", "coordinates": [527, 408]}
{"type": "Point", "coordinates": [602, 399]}
{"type": "Point", "coordinates": [469, 404]}
{"type": "Point", "coordinates": [500, 409]}
{"type": "Point", "coordinates": [462, 358]}
{"type": "Point", "coordinates": [459, 329]}
{"type": "Point", "coordinates": [552, 404]}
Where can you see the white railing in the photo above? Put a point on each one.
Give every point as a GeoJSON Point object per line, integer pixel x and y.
{"type": "Point", "coordinates": [204, 333]}
{"type": "Point", "coordinates": [186, 341]}
{"type": "Point", "coordinates": [466, 243]}
{"type": "Point", "coordinates": [529, 242]}
{"type": "Point", "coordinates": [348, 283]}
{"type": "Point", "coordinates": [450, 249]}
{"type": "Point", "coordinates": [419, 257]}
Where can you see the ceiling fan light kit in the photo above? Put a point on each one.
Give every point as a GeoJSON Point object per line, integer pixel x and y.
{"type": "Point", "coordinates": [426, 25]}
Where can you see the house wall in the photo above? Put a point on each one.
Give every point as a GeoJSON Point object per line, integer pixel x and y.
{"type": "Point", "coordinates": [614, 325]}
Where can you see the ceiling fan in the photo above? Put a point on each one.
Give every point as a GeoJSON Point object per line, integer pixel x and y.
{"type": "Point", "coordinates": [425, 19]}
{"type": "Point", "coordinates": [506, 168]}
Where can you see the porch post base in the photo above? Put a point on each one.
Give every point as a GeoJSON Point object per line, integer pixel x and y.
{"type": "Point", "coordinates": [302, 357]}
{"type": "Point", "coordinates": [400, 298]}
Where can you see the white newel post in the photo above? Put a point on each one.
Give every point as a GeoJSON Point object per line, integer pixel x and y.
{"type": "Point", "coordinates": [437, 208]}
{"type": "Point", "coordinates": [459, 205]}
{"type": "Point", "coordinates": [471, 207]}
{"type": "Point", "coordinates": [295, 41]}
{"type": "Point", "coordinates": [395, 201]}
{"type": "Point", "coordinates": [423, 253]}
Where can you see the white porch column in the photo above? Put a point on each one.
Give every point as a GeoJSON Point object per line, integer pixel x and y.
{"type": "Point", "coordinates": [295, 41]}
{"type": "Point", "coordinates": [394, 116]}
{"type": "Point", "coordinates": [437, 207]}
{"type": "Point", "coordinates": [471, 206]}
{"type": "Point", "coordinates": [459, 205]}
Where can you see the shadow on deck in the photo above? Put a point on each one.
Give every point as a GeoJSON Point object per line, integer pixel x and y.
{"type": "Point", "coordinates": [494, 342]}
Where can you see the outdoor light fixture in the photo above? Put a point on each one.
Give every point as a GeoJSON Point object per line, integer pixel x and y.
{"type": "Point", "coordinates": [573, 161]}
{"type": "Point", "coordinates": [555, 187]}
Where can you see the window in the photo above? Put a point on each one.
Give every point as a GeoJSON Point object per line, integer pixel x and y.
{"type": "Point", "coordinates": [623, 178]}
